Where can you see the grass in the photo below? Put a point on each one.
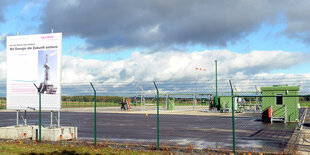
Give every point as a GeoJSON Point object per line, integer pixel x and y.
{"type": "Point", "coordinates": [18, 147]}
{"type": "Point", "coordinates": [12, 147]}
{"type": "Point", "coordinates": [74, 104]}
{"type": "Point", "coordinates": [305, 104]}
{"type": "Point", "coordinates": [70, 104]}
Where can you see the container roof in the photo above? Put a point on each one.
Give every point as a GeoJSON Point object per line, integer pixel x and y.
{"type": "Point", "coordinates": [275, 88]}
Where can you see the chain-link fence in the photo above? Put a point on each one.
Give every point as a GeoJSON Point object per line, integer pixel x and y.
{"type": "Point", "coordinates": [244, 115]}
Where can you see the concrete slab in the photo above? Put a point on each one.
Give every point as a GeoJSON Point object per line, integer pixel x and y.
{"type": "Point", "coordinates": [32, 132]}
{"type": "Point", "coordinates": [16, 132]}
{"type": "Point", "coordinates": [55, 134]}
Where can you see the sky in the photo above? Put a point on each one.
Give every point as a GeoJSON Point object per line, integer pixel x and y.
{"type": "Point", "coordinates": [138, 40]}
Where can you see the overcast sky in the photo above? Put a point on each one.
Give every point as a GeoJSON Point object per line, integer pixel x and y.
{"type": "Point", "coordinates": [138, 40]}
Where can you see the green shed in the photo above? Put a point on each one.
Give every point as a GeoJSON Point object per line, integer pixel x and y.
{"type": "Point", "coordinates": [280, 103]}
{"type": "Point", "coordinates": [225, 103]}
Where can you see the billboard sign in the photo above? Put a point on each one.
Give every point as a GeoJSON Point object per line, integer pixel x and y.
{"type": "Point", "coordinates": [34, 59]}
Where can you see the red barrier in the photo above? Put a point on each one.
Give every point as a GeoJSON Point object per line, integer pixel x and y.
{"type": "Point", "coordinates": [128, 102]}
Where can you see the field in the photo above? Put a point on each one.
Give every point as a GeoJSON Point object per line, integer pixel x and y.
{"type": "Point", "coordinates": [185, 126]}
{"type": "Point", "coordinates": [305, 103]}
{"type": "Point", "coordinates": [20, 147]}
{"type": "Point", "coordinates": [72, 104]}
{"type": "Point", "coordinates": [182, 129]}
{"type": "Point", "coordinates": [28, 147]}
{"type": "Point", "coordinates": [192, 130]}
{"type": "Point", "coordinates": [101, 103]}
{"type": "Point", "coordinates": [2, 104]}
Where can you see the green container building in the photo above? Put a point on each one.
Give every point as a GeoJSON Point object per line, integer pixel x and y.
{"type": "Point", "coordinates": [283, 102]}
{"type": "Point", "coordinates": [225, 103]}
{"type": "Point", "coordinates": [171, 104]}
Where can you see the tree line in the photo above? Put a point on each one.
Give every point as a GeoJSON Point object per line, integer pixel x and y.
{"type": "Point", "coordinates": [117, 99]}
{"type": "Point", "coordinates": [89, 98]}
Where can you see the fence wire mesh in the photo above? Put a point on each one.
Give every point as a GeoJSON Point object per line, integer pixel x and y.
{"type": "Point", "coordinates": [269, 114]}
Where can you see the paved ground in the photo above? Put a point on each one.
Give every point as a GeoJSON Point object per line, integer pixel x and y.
{"type": "Point", "coordinates": [303, 136]}
{"type": "Point", "coordinates": [203, 131]}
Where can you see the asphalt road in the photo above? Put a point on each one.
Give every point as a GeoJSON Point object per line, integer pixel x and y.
{"type": "Point", "coordinates": [200, 131]}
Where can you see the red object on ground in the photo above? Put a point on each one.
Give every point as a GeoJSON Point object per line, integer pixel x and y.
{"type": "Point", "coordinates": [128, 102]}
{"type": "Point", "coordinates": [269, 112]}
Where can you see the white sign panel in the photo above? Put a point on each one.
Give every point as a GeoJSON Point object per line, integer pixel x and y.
{"type": "Point", "coordinates": [34, 59]}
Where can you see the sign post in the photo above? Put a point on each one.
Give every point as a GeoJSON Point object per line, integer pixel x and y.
{"type": "Point", "coordinates": [40, 121]}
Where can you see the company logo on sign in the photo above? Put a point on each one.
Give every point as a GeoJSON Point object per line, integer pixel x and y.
{"type": "Point", "coordinates": [47, 37]}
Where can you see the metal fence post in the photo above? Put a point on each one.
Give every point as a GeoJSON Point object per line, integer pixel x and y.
{"type": "Point", "coordinates": [285, 114]}
{"type": "Point", "coordinates": [39, 112]}
{"type": "Point", "coordinates": [271, 112]}
{"type": "Point", "coordinates": [95, 122]}
{"type": "Point", "coordinates": [233, 117]}
{"type": "Point", "coordinates": [216, 95]}
{"type": "Point", "coordinates": [17, 117]}
{"type": "Point", "coordinates": [157, 116]}
{"type": "Point", "coordinates": [195, 102]}
{"type": "Point", "coordinates": [58, 119]}
{"type": "Point", "coordinates": [51, 118]}
{"type": "Point", "coordinates": [142, 96]}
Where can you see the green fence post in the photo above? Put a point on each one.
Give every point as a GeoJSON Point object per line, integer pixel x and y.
{"type": "Point", "coordinates": [233, 117]}
{"type": "Point", "coordinates": [216, 95]}
{"type": "Point", "coordinates": [95, 122]}
{"type": "Point", "coordinates": [157, 116]}
{"type": "Point", "coordinates": [39, 112]}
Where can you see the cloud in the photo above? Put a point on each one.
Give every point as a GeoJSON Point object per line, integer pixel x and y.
{"type": "Point", "coordinates": [138, 23]}
{"type": "Point", "coordinates": [3, 39]}
{"type": "Point", "coordinates": [30, 5]}
{"type": "Point", "coordinates": [174, 65]}
{"type": "Point", "coordinates": [245, 70]}
{"type": "Point", "coordinates": [3, 5]}
{"type": "Point", "coordinates": [176, 72]}
{"type": "Point", "coordinates": [2, 67]}
{"type": "Point", "coordinates": [159, 24]}
{"type": "Point", "coordinates": [298, 21]}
